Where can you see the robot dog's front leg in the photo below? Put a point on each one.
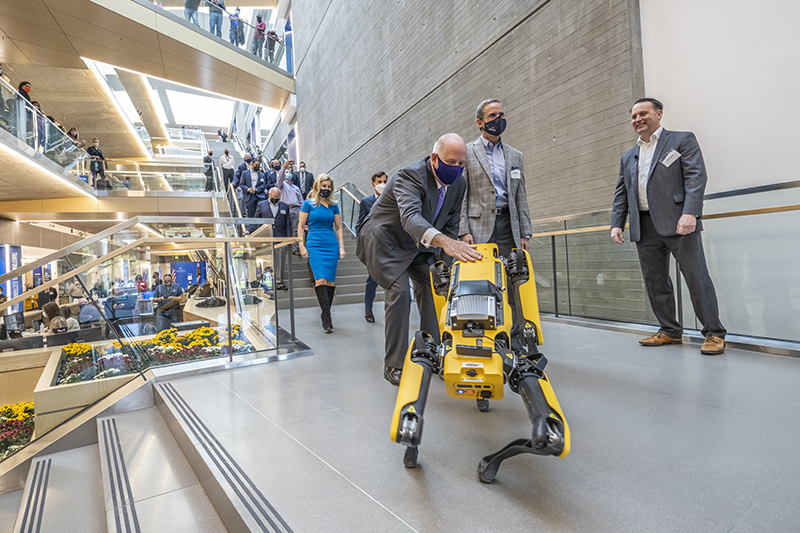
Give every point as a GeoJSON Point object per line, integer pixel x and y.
{"type": "Point", "coordinates": [420, 364]}
{"type": "Point", "coordinates": [550, 434]}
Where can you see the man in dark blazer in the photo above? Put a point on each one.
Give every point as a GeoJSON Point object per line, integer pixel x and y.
{"type": "Point", "coordinates": [661, 185]}
{"type": "Point", "coordinates": [281, 227]}
{"type": "Point", "coordinates": [303, 179]}
{"type": "Point", "coordinates": [208, 162]}
{"type": "Point", "coordinates": [379, 180]}
{"type": "Point", "coordinates": [272, 173]}
{"type": "Point", "coordinates": [253, 183]}
{"type": "Point", "coordinates": [417, 213]}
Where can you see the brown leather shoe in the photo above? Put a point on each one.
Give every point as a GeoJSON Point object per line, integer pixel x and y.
{"type": "Point", "coordinates": [659, 339]}
{"type": "Point", "coordinates": [713, 346]}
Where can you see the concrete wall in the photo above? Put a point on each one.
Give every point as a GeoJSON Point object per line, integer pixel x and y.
{"type": "Point", "coordinates": [17, 233]}
{"type": "Point", "coordinates": [378, 82]}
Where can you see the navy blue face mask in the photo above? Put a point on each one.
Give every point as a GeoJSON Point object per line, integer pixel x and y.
{"type": "Point", "coordinates": [325, 193]}
{"type": "Point", "coordinates": [495, 127]}
{"type": "Point", "coordinates": [447, 174]}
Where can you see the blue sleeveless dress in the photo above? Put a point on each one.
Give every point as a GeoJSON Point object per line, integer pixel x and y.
{"type": "Point", "coordinates": [322, 244]}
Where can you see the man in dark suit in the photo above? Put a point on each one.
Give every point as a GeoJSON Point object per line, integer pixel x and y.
{"type": "Point", "coordinates": [661, 185]}
{"type": "Point", "coordinates": [417, 213]}
{"type": "Point", "coordinates": [272, 173]}
{"type": "Point", "coordinates": [281, 227]}
{"type": "Point", "coordinates": [208, 161]}
{"type": "Point", "coordinates": [253, 183]}
{"type": "Point", "coordinates": [379, 180]}
{"type": "Point", "coordinates": [248, 159]}
{"type": "Point", "coordinates": [303, 179]}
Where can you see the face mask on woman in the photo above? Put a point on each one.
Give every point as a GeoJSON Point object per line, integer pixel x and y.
{"type": "Point", "coordinates": [324, 193]}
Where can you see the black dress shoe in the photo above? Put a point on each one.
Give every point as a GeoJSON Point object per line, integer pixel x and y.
{"type": "Point", "coordinates": [282, 287]}
{"type": "Point", "coordinates": [369, 317]}
{"type": "Point", "coordinates": [328, 329]}
{"type": "Point", "coordinates": [392, 375]}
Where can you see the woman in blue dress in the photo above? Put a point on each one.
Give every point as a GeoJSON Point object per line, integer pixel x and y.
{"type": "Point", "coordinates": [324, 244]}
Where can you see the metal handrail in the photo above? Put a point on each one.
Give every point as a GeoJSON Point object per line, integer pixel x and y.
{"type": "Point", "coordinates": [713, 216]}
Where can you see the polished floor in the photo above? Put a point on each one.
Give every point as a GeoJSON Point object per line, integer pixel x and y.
{"type": "Point", "coordinates": [664, 439]}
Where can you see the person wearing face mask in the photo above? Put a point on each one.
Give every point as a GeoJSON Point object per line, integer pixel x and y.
{"type": "Point", "coordinates": [272, 173]}
{"type": "Point", "coordinates": [291, 196]}
{"type": "Point", "coordinates": [244, 167]}
{"type": "Point", "coordinates": [75, 136]}
{"type": "Point", "coordinates": [24, 89]}
{"type": "Point", "coordinates": [258, 37]}
{"type": "Point", "coordinates": [252, 183]}
{"type": "Point", "coordinates": [228, 166]}
{"type": "Point", "coordinates": [169, 310]}
{"type": "Point", "coordinates": [324, 221]}
{"type": "Point", "coordinates": [495, 205]}
{"type": "Point", "coordinates": [379, 180]}
{"type": "Point", "coordinates": [98, 166]}
{"type": "Point", "coordinates": [413, 221]}
{"type": "Point", "coordinates": [281, 217]}
{"type": "Point", "coordinates": [303, 179]}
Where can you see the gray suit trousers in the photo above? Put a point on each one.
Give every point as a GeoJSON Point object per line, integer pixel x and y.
{"type": "Point", "coordinates": [654, 251]}
{"type": "Point", "coordinates": [398, 308]}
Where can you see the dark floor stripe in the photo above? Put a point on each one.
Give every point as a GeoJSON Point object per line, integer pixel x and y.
{"type": "Point", "coordinates": [233, 462]}
{"type": "Point", "coordinates": [115, 478]}
{"type": "Point", "coordinates": [210, 442]}
{"type": "Point", "coordinates": [213, 455]}
{"type": "Point", "coordinates": [125, 478]}
{"type": "Point", "coordinates": [31, 494]}
{"type": "Point", "coordinates": [111, 476]}
{"type": "Point", "coordinates": [44, 496]}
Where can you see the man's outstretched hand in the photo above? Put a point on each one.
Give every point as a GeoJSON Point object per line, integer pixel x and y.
{"type": "Point", "coordinates": [459, 250]}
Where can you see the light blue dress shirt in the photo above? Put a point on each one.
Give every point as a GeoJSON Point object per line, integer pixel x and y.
{"type": "Point", "coordinates": [497, 162]}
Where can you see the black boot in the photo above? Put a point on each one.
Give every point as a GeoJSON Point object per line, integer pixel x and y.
{"type": "Point", "coordinates": [331, 291]}
{"type": "Point", "coordinates": [324, 304]}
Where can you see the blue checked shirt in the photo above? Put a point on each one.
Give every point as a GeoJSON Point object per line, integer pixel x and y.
{"type": "Point", "coordinates": [497, 162]}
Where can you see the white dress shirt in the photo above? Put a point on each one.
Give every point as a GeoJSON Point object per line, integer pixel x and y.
{"type": "Point", "coordinates": [226, 161]}
{"type": "Point", "coordinates": [646, 151]}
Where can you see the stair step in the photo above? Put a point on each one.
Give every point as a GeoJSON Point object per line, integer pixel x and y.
{"type": "Point", "coordinates": [9, 506]}
{"type": "Point", "coordinates": [239, 500]}
{"type": "Point", "coordinates": [64, 492]}
{"type": "Point", "coordinates": [311, 301]}
{"type": "Point", "coordinates": [146, 478]}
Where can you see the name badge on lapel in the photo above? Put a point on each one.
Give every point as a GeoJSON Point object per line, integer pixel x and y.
{"type": "Point", "coordinates": [516, 174]}
{"type": "Point", "coordinates": [670, 158]}
{"type": "Point", "coordinates": [283, 211]}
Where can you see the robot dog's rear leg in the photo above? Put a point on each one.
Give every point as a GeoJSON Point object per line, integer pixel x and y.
{"type": "Point", "coordinates": [550, 435]}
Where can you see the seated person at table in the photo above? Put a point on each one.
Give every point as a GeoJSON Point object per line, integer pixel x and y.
{"type": "Point", "coordinates": [52, 321]}
{"type": "Point", "coordinates": [72, 322]}
{"type": "Point", "coordinates": [89, 313]}
{"type": "Point", "coordinates": [163, 296]}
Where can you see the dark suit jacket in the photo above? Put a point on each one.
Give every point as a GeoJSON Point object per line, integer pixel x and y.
{"type": "Point", "coordinates": [282, 225]}
{"type": "Point", "coordinates": [246, 181]}
{"type": "Point", "coordinates": [272, 179]}
{"type": "Point", "coordinates": [208, 161]}
{"type": "Point", "coordinates": [238, 174]}
{"type": "Point", "coordinates": [363, 210]}
{"type": "Point", "coordinates": [309, 183]}
{"type": "Point", "coordinates": [391, 235]}
{"type": "Point", "coordinates": [671, 191]}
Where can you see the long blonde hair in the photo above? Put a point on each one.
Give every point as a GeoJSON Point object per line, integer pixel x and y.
{"type": "Point", "coordinates": [313, 194]}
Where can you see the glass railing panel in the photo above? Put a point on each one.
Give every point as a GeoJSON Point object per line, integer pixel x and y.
{"type": "Point", "coordinates": [218, 27]}
{"type": "Point", "coordinates": [23, 121]}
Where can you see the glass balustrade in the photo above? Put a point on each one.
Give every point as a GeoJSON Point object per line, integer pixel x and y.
{"type": "Point", "coordinates": [114, 324]}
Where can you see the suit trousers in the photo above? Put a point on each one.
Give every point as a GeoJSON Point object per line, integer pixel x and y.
{"type": "Point", "coordinates": [369, 293]}
{"type": "Point", "coordinates": [278, 266]}
{"type": "Point", "coordinates": [503, 237]}
{"type": "Point", "coordinates": [294, 211]}
{"type": "Point", "coordinates": [398, 308]}
{"type": "Point", "coordinates": [250, 206]}
{"type": "Point", "coordinates": [654, 251]}
{"type": "Point", "coordinates": [227, 175]}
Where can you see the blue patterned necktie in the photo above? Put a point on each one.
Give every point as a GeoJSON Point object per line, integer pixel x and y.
{"type": "Point", "coordinates": [442, 191]}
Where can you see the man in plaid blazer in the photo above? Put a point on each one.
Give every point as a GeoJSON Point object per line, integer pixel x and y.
{"type": "Point", "coordinates": [495, 207]}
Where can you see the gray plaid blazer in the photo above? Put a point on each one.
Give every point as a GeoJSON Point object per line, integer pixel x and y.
{"type": "Point", "coordinates": [478, 209]}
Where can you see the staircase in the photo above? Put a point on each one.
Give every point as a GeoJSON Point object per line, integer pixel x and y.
{"type": "Point", "coordinates": [351, 278]}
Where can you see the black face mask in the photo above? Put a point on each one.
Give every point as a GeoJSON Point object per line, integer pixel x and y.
{"type": "Point", "coordinates": [275, 200]}
{"type": "Point", "coordinates": [325, 193]}
{"type": "Point", "coordinates": [495, 127]}
{"type": "Point", "coordinates": [276, 167]}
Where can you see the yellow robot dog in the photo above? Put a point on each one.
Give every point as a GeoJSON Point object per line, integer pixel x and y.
{"type": "Point", "coordinates": [477, 356]}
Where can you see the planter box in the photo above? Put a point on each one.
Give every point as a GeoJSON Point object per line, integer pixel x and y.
{"type": "Point", "coordinates": [56, 403]}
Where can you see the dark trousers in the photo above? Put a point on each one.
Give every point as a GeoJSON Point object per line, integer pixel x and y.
{"type": "Point", "coordinates": [369, 293]}
{"type": "Point", "coordinates": [250, 205]}
{"type": "Point", "coordinates": [209, 183]}
{"type": "Point", "coordinates": [654, 251]}
{"type": "Point", "coordinates": [398, 308]}
{"type": "Point", "coordinates": [227, 175]}
{"type": "Point", "coordinates": [503, 237]}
